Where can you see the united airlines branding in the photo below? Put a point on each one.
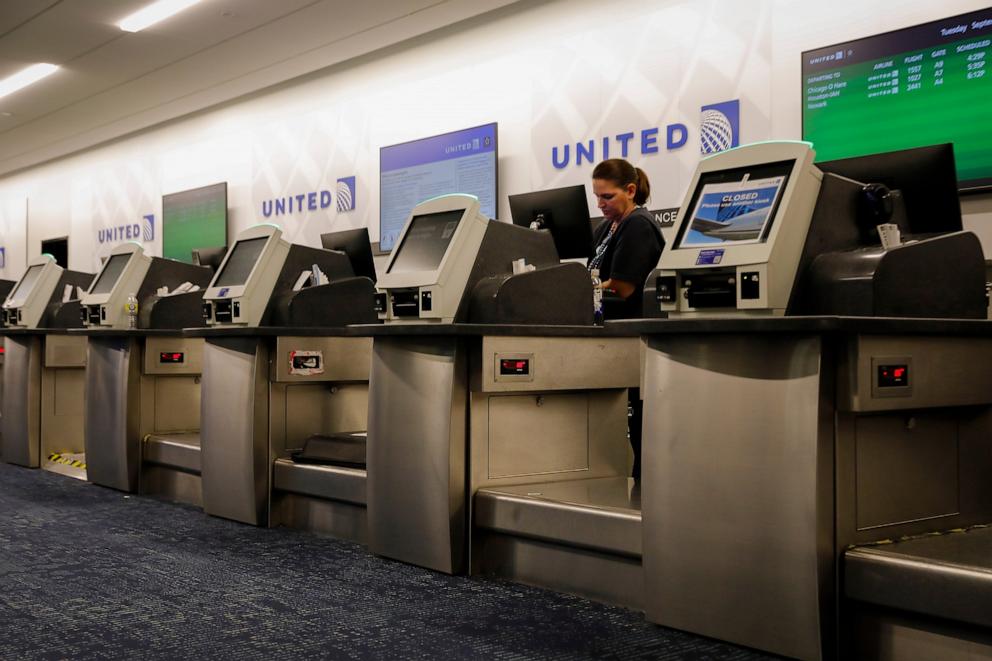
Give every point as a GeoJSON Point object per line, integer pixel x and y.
{"type": "Point", "coordinates": [343, 198]}
{"type": "Point", "coordinates": [148, 227]}
{"type": "Point", "coordinates": [145, 230]}
{"type": "Point", "coordinates": [346, 194]}
{"type": "Point", "coordinates": [475, 144]}
{"type": "Point", "coordinates": [719, 125]}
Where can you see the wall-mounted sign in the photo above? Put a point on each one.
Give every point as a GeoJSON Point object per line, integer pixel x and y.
{"type": "Point", "coordinates": [343, 198]}
{"type": "Point", "coordinates": [719, 130]}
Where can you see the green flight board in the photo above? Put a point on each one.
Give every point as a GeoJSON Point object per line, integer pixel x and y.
{"type": "Point", "coordinates": [194, 219]}
{"type": "Point", "coordinates": [920, 86]}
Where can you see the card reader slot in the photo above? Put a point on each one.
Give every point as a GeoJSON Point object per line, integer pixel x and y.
{"type": "Point", "coordinates": [711, 290]}
{"type": "Point", "coordinates": [222, 312]}
{"type": "Point", "coordinates": [406, 303]}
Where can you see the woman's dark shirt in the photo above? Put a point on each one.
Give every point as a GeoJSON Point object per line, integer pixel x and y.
{"type": "Point", "coordinates": [631, 255]}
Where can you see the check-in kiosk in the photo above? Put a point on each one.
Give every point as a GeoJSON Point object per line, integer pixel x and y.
{"type": "Point", "coordinates": [498, 411]}
{"type": "Point", "coordinates": [43, 365]}
{"type": "Point", "coordinates": [5, 287]}
{"type": "Point", "coordinates": [800, 402]}
{"type": "Point", "coordinates": [280, 375]}
{"type": "Point", "coordinates": [143, 382]}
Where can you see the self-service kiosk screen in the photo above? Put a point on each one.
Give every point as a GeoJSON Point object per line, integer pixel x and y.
{"type": "Point", "coordinates": [24, 287]}
{"type": "Point", "coordinates": [111, 272]}
{"type": "Point", "coordinates": [240, 262]}
{"type": "Point", "coordinates": [737, 206]}
{"type": "Point", "coordinates": [426, 241]}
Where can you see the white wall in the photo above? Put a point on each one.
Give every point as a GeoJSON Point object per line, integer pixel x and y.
{"type": "Point", "coordinates": [550, 73]}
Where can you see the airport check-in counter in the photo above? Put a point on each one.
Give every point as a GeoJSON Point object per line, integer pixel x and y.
{"type": "Point", "coordinates": [498, 412]}
{"type": "Point", "coordinates": [774, 443]}
{"type": "Point", "coordinates": [43, 365]}
{"type": "Point", "coordinates": [280, 373]}
{"type": "Point", "coordinates": [143, 384]}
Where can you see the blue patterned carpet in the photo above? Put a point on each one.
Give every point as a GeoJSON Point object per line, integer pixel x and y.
{"type": "Point", "coordinates": [89, 573]}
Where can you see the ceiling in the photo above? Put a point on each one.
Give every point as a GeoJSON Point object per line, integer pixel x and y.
{"type": "Point", "coordinates": [112, 83]}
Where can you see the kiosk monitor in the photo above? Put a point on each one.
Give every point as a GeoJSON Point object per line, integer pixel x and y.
{"type": "Point", "coordinates": [427, 273]}
{"type": "Point", "coordinates": [120, 276]}
{"type": "Point", "coordinates": [562, 211]}
{"type": "Point", "coordinates": [23, 288]}
{"type": "Point", "coordinates": [740, 232]}
{"type": "Point", "coordinates": [26, 303]}
{"type": "Point", "coordinates": [241, 288]}
{"type": "Point", "coordinates": [111, 271]}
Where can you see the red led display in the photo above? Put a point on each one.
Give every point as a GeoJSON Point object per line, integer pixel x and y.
{"type": "Point", "coordinates": [514, 366]}
{"type": "Point", "coordinates": [171, 357]}
{"type": "Point", "coordinates": [893, 376]}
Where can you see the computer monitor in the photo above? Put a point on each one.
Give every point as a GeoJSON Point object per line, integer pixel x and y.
{"type": "Point", "coordinates": [926, 177]}
{"type": "Point", "coordinates": [741, 230]}
{"type": "Point", "coordinates": [120, 276]}
{"type": "Point", "coordinates": [921, 85]}
{"type": "Point", "coordinates": [241, 287]}
{"type": "Point", "coordinates": [194, 219]}
{"type": "Point", "coordinates": [211, 257]}
{"type": "Point", "coordinates": [428, 271]}
{"type": "Point", "coordinates": [357, 246]}
{"type": "Point", "coordinates": [460, 162]}
{"type": "Point", "coordinates": [26, 302]}
{"type": "Point", "coordinates": [562, 211]}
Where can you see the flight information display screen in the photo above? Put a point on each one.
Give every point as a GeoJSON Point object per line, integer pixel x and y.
{"type": "Point", "coordinates": [409, 173]}
{"type": "Point", "coordinates": [240, 262]}
{"type": "Point", "coordinates": [111, 272]}
{"type": "Point", "coordinates": [194, 219]}
{"type": "Point", "coordinates": [426, 242]}
{"type": "Point", "coordinates": [924, 85]}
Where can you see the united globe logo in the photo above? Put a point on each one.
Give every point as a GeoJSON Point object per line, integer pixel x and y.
{"type": "Point", "coordinates": [719, 127]}
{"type": "Point", "coordinates": [346, 194]}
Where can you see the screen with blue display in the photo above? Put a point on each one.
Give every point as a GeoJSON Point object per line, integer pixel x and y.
{"type": "Point", "coordinates": [409, 173]}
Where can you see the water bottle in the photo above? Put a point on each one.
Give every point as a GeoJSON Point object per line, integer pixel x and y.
{"type": "Point", "coordinates": [131, 310]}
{"type": "Point", "coordinates": [597, 297]}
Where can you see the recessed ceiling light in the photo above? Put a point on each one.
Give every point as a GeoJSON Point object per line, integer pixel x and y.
{"type": "Point", "coordinates": [25, 77]}
{"type": "Point", "coordinates": [153, 13]}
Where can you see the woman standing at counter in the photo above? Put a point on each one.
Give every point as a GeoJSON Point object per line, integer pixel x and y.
{"type": "Point", "coordinates": [628, 246]}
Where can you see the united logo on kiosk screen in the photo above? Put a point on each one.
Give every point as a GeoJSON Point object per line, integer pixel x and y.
{"type": "Point", "coordinates": [720, 127]}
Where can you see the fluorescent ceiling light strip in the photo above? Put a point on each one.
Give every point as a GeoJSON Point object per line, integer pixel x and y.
{"type": "Point", "coordinates": [153, 13]}
{"type": "Point", "coordinates": [25, 77]}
